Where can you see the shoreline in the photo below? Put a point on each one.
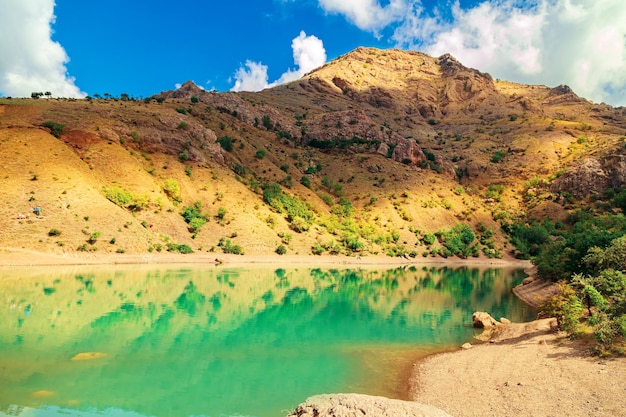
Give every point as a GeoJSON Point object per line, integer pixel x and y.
{"type": "Point", "coordinates": [529, 369]}
{"type": "Point", "coordinates": [24, 257]}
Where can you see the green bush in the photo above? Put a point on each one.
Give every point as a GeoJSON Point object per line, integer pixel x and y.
{"type": "Point", "coordinates": [304, 180]}
{"type": "Point", "coordinates": [54, 232]}
{"type": "Point", "coordinates": [281, 250]}
{"type": "Point", "coordinates": [194, 217]}
{"type": "Point", "coordinates": [459, 241]}
{"type": "Point", "coordinates": [56, 129]}
{"type": "Point", "coordinates": [118, 195]}
{"type": "Point", "coordinates": [260, 154]}
{"type": "Point", "coordinates": [498, 156]}
{"type": "Point", "coordinates": [171, 188]}
{"type": "Point", "coordinates": [226, 142]}
{"type": "Point", "coordinates": [182, 248]}
{"type": "Point", "coordinates": [228, 247]}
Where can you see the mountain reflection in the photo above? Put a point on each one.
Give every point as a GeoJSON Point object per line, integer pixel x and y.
{"type": "Point", "coordinates": [164, 341]}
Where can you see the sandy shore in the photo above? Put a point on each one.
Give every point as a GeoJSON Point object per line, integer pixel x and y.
{"type": "Point", "coordinates": [529, 370]}
{"type": "Point", "coordinates": [25, 257]}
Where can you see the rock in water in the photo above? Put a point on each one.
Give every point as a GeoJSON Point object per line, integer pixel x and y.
{"type": "Point", "coordinates": [348, 405]}
{"type": "Point", "coordinates": [88, 356]}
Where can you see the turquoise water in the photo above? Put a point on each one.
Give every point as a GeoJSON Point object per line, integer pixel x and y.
{"type": "Point", "coordinates": [218, 341]}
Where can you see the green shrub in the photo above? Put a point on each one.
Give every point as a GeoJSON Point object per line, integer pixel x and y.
{"type": "Point", "coordinates": [498, 156]}
{"type": "Point", "coordinates": [56, 129]}
{"type": "Point", "coordinates": [458, 241]}
{"type": "Point", "coordinates": [281, 250]}
{"type": "Point", "coordinates": [93, 238]}
{"type": "Point", "coordinates": [226, 142]}
{"type": "Point", "coordinates": [194, 217]}
{"type": "Point", "coordinates": [267, 122]}
{"type": "Point", "coordinates": [228, 247]}
{"type": "Point", "coordinates": [260, 154]}
{"type": "Point", "coordinates": [304, 180]}
{"type": "Point", "coordinates": [182, 248]}
{"type": "Point", "coordinates": [171, 188]}
{"type": "Point", "coordinates": [54, 232]}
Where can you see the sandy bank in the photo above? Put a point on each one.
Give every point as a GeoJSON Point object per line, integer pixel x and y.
{"type": "Point", "coordinates": [25, 257]}
{"type": "Point", "coordinates": [529, 370]}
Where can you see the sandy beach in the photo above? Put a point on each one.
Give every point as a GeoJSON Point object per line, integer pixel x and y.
{"type": "Point", "coordinates": [25, 257]}
{"type": "Point", "coordinates": [529, 370]}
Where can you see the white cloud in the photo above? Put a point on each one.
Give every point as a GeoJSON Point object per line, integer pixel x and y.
{"type": "Point", "coordinates": [368, 14]}
{"type": "Point", "coordinates": [308, 54]}
{"type": "Point", "coordinates": [30, 59]}
{"type": "Point", "coordinates": [581, 43]}
{"type": "Point", "coordinates": [252, 77]}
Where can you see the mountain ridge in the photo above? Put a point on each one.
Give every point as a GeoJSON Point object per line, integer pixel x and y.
{"type": "Point", "coordinates": [372, 153]}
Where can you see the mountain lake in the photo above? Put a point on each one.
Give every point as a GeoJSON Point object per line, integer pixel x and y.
{"type": "Point", "coordinates": [205, 340]}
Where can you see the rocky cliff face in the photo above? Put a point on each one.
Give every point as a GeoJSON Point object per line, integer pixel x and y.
{"type": "Point", "coordinates": [593, 175]}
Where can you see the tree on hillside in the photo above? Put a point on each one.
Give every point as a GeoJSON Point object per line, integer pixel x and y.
{"type": "Point", "coordinates": [602, 293]}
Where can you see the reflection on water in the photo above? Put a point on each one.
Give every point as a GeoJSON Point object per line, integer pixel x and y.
{"type": "Point", "coordinates": [213, 341]}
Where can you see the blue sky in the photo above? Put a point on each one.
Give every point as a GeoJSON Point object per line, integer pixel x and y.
{"type": "Point", "coordinates": [142, 47]}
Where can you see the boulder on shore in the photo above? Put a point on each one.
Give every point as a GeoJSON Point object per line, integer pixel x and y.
{"type": "Point", "coordinates": [349, 405]}
{"type": "Point", "coordinates": [483, 320]}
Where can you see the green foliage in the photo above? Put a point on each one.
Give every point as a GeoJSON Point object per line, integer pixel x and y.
{"type": "Point", "coordinates": [226, 142]}
{"type": "Point", "coordinates": [182, 248]}
{"type": "Point", "coordinates": [296, 212]}
{"type": "Point", "coordinates": [343, 209]}
{"type": "Point", "coordinates": [619, 200]}
{"type": "Point", "coordinates": [126, 199]}
{"type": "Point", "coordinates": [459, 241]}
{"type": "Point", "coordinates": [528, 238]}
{"type": "Point", "coordinates": [495, 191]}
{"type": "Point", "coordinates": [565, 306]}
{"type": "Point", "coordinates": [56, 129]}
{"type": "Point", "coordinates": [228, 247]}
{"type": "Point", "coordinates": [259, 154]}
{"type": "Point", "coordinates": [267, 122]}
{"type": "Point", "coordinates": [562, 256]}
{"type": "Point", "coordinates": [194, 217]}
{"type": "Point", "coordinates": [342, 143]}
{"type": "Point", "coordinates": [93, 238]}
{"type": "Point", "coordinates": [332, 186]}
{"type": "Point", "coordinates": [135, 135]}
{"type": "Point", "coordinates": [429, 238]}
{"type": "Point", "coordinates": [281, 250]}
{"type": "Point", "coordinates": [194, 99]}
{"type": "Point", "coordinates": [304, 180]}
{"type": "Point", "coordinates": [603, 292]}
{"type": "Point", "coordinates": [171, 188]}
{"type": "Point", "coordinates": [353, 244]}
{"type": "Point", "coordinates": [54, 232]}
{"type": "Point", "coordinates": [498, 156]}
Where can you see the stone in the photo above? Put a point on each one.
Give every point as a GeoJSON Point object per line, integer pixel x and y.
{"type": "Point", "coordinates": [504, 320]}
{"type": "Point", "coordinates": [348, 405]}
{"type": "Point", "coordinates": [466, 346]}
{"type": "Point", "coordinates": [483, 320]}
